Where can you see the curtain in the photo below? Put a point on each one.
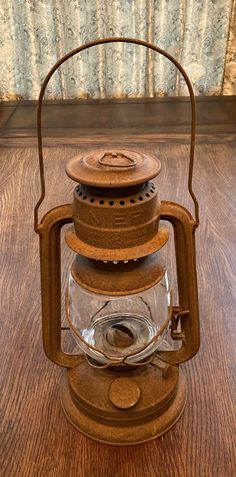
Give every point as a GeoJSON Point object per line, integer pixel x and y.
{"type": "Point", "coordinates": [34, 34]}
{"type": "Point", "coordinates": [229, 86]}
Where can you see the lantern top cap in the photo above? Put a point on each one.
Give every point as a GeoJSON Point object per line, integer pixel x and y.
{"type": "Point", "coordinates": [113, 168]}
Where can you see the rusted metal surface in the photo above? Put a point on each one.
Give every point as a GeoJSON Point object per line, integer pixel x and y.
{"type": "Point", "coordinates": [85, 398]}
{"type": "Point", "coordinates": [100, 42]}
{"type": "Point", "coordinates": [109, 224]}
{"type": "Point", "coordinates": [116, 214]}
{"type": "Point", "coordinates": [186, 313]}
{"type": "Point", "coordinates": [124, 393]}
{"type": "Point", "coordinates": [184, 228]}
{"type": "Point", "coordinates": [111, 168]}
{"type": "Point", "coordinates": [129, 278]}
{"type": "Point", "coordinates": [95, 424]}
{"type": "Point", "coordinates": [129, 253]}
{"type": "Point", "coordinates": [50, 264]}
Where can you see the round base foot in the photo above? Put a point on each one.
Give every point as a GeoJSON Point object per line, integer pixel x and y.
{"type": "Point", "coordinates": [88, 403]}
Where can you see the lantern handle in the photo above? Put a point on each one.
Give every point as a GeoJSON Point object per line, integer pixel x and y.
{"type": "Point", "coordinates": [85, 47]}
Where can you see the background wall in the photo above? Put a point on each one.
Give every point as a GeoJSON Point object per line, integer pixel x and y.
{"type": "Point", "coordinates": [35, 33]}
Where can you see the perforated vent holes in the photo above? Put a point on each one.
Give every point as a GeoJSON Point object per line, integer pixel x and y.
{"type": "Point", "coordinates": [145, 195]}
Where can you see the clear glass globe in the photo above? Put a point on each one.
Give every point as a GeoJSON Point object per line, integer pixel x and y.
{"type": "Point", "coordinates": [118, 326]}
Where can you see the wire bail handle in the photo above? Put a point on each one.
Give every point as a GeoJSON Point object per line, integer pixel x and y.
{"type": "Point", "coordinates": [101, 42]}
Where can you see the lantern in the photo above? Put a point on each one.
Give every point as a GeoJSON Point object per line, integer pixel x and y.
{"type": "Point", "coordinates": [123, 385]}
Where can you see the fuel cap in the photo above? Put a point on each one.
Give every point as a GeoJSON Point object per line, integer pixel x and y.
{"type": "Point", "coordinates": [124, 393]}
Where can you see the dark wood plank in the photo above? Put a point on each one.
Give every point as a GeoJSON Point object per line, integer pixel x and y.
{"type": "Point", "coordinates": [36, 439]}
{"type": "Point", "coordinates": [5, 113]}
{"type": "Point", "coordinates": [111, 117]}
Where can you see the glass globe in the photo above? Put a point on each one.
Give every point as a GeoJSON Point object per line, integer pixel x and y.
{"type": "Point", "coordinates": [114, 327]}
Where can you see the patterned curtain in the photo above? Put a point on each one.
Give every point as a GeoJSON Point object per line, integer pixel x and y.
{"type": "Point", "coordinates": [229, 86]}
{"type": "Point", "coordinates": [35, 33]}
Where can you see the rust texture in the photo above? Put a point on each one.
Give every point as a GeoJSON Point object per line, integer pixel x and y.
{"type": "Point", "coordinates": [151, 405]}
{"type": "Point", "coordinates": [130, 277]}
{"type": "Point", "coordinates": [116, 214]}
{"type": "Point", "coordinates": [116, 207]}
{"type": "Point", "coordinates": [111, 168]}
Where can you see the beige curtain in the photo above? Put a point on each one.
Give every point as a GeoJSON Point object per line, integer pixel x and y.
{"type": "Point", "coordinates": [229, 85]}
{"type": "Point", "coordinates": [35, 33]}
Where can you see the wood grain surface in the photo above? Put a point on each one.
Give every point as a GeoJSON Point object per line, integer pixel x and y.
{"type": "Point", "coordinates": [36, 439]}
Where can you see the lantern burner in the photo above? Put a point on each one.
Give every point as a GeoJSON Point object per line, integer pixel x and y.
{"type": "Point", "coordinates": [121, 334]}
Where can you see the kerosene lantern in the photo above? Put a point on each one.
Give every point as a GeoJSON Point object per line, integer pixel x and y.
{"type": "Point", "coordinates": [123, 385]}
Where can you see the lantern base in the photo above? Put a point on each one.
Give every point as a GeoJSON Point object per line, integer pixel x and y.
{"type": "Point", "coordinates": [123, 407]}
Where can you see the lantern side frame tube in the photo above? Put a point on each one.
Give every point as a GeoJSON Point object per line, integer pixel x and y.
{"type": "Point", "coordinates": [50, 267]}
{"type": "Point", "coordinates": [185, 251]}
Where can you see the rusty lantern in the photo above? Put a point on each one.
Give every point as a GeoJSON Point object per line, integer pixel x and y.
{"type": "Point", "coordinates": [123, 384]}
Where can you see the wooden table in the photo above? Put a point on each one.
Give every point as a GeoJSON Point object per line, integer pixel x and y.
{"type": "Point", "coordinates": [36, 439]}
